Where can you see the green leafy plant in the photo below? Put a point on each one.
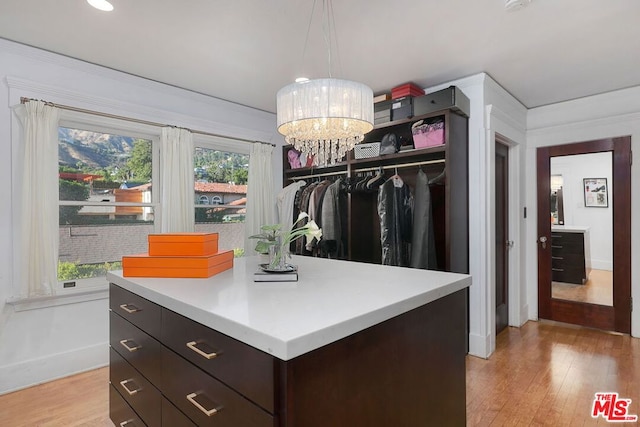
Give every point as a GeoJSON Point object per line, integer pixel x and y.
{"type": "Point", "coordinates": [273, 235]}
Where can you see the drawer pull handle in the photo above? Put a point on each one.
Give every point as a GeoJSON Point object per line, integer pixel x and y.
{"type": "Point", "coordinates": [130, 423]}
{"type": "Point", "coordinates": [208, 412]}
{"type": "Point", "coordinates": [557, 257]}
{"type": "Point", "coordinates": [557, 269]}
{"type": "Point", "coordinates": [131, 349]}
{"type": "Point", "coordinates": [193, 346]}
{"type": "Point", "coordinates": [556, 246]}
{"type": "Point", "coordinates": [127, 389]}
{"type": "Point", "coordinates": [129, 308]}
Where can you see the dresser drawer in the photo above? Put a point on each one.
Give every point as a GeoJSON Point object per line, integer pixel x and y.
{"type": "Point", "coordinates": [241, 367]}
{"type": "Point", "coordinates": [206, 400]}
{"type": "Point", "coordinates": [137, 310]}
{"type": "Point", "coordinates": [139, 393]}
{"type": "Point", "coordinates": [137, 347]}
{"type": "Point", "coordinates": [172, 417]}
{"type": "Point", "coordinates": [120, 412]}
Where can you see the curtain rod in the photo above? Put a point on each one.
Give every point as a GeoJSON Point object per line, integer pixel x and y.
{"type": "Point", "coordinates": [24, 100]}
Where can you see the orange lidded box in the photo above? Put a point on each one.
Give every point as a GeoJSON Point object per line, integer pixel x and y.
{"type": "Point", "coordinates": [183, 244]}
{"type": "Point", "coordinates": [145, 265]}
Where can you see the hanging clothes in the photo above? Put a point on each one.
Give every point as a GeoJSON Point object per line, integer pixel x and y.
{"type": "Point", "coordinates": [332, 217]}
{"type": "Point", "coordinates": [303, 206]}
{"type": "Point", "coordinates": [394, 209]}
{"type": "Point", "coordinates": [423, 244]}
{"type": "Point", "coordinates": [285, 204]}
{"type": "Point", "coordinates": [315, 208]}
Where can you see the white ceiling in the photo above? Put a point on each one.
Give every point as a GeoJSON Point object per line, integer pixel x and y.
{"type": "Point", "coordinates": [245, 50]}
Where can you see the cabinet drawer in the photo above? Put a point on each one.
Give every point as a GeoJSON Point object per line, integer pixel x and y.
{"type": "Point", "coordinates": [172, 417]}
{"type": "Point", "coordinates": [574, 275]}
{"type": "Point", "coordinates": [241, 367]}
{"type": "Point", "coordinates": [139, 393]}
{"type": "Point", "coordinates": [137, 310]}
{"type": "Point", "coordinates": [206, 400]}
{"type": "Point", "coordinates": [120, 412]}
{"type": "Point", "coordinates": [138, 348]}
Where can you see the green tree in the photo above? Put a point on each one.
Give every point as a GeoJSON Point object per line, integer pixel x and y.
{"type": "Point", "coordinates": [139, 164]}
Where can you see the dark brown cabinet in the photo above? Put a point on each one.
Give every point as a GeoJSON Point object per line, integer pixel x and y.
{"type": "Point", "coordinates": [407, 371]}
{"type": "Point", "coordinates": [446, 165]}
{"type": "Point", "coordinates": [569, 263]}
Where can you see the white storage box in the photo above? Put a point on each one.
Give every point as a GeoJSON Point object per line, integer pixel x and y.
{"type": "Point", "coordinates": [363, 151]}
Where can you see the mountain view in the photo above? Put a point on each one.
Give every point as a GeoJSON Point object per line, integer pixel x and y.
{"type": "Point", "coordinates": [92, 150]}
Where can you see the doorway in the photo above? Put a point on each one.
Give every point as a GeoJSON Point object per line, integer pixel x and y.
{"type": "Point", "coordinates": [502, 235]}
{"type": "Point", "coordinates": [573, 209]}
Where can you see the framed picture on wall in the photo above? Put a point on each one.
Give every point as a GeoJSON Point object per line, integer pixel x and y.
{"type": "Point", "coordinates": [596, 193]}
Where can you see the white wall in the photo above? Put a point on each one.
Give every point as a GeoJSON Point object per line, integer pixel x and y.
{"type": "Point", "coordinates": [599, 219]}
{"type": "Point", "coordinates": [493, 111]}
{"type": "Point", "coordinates": [602, 116]}
{"type": "Point", "coordinates": [42, 344]}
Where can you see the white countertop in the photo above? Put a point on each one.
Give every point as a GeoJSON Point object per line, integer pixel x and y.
{"type": "Point", "coordinates": [331, 300]}
{"type": "Point", "coordinates": [570, 228]}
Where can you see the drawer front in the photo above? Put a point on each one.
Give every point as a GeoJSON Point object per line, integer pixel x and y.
{"type": "Point", "coordinates": [567, 260]}
{"type": "Point", "coordinates": [137, 310]}
{"type": "Point", "coordinates": [172, 417]}
{"type": "Point", "coordinates": [206, 400]}
{"type": "Point", "coordinates": [139, 393]}
{"type": "Point", "coordinates": [138, 348]}
{"type": "Point", "coordinates": [241, 367]}
{"type": "Point", "coordinates": [574, 275]}
{"type": "Point", "coordinates": [120, 412]}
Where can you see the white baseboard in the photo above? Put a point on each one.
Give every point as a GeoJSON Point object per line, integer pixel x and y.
{"type": "Point", "coordinates": [37, 371]}
{"type": "Point", "coordinates": [480, 346]}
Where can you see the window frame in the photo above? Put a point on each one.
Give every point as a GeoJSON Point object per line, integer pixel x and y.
{"type": "Point", "coordinates": [101, 124]}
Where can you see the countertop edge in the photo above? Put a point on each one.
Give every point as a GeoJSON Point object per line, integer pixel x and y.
{"type": "Point", "coordinates": [287, 350]}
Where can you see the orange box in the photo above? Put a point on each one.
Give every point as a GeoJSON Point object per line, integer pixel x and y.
{"type": "Point", "coordinates": [145, 265]}
{"type": "Point", "coordinates": [183, 244]}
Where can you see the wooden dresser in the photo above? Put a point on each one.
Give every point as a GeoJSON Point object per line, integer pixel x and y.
{"type": "Point", "coordinates": [570, 254]}
{"type": "Point", "coordinates": [170, 370]}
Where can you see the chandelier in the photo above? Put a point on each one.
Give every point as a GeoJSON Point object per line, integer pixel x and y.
{"type": "Point", "coordinates": [324, 118]}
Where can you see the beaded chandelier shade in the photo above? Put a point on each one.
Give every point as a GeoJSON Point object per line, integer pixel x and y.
{"type": "Point", "coordinates": [324, 118]}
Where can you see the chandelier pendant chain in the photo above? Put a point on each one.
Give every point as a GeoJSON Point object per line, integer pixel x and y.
{"type": "Point", "coordinates": [325, 118]}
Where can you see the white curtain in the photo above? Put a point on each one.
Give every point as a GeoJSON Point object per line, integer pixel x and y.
{"type": "Point", "coordinates": [39, 195]}
{"type": "Point", "coordinates": [260, 197]}
{"type": "Point", "coordinates": [176, 180]}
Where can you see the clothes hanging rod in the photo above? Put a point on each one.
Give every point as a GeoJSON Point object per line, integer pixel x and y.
{"type": "Point", "coordinates": [24, 100]}
{"type": "Point", "coordinates": [402, 165]}
{"type": "Point", "coordinates": [315, 175]}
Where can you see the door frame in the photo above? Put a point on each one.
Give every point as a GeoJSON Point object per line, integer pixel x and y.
{"type": "Point", "coordinates": [502, 248]}
{"type": "Point", "coordinates": [618, 317]}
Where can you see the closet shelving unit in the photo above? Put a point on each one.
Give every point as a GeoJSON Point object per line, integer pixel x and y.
{"type": "Point", "coordinates": [448, 163]}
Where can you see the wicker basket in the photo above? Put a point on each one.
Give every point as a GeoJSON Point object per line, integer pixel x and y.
{"type": "Point", "coordinates": [363, 151]}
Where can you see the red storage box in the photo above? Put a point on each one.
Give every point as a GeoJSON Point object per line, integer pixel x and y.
{"type": "Point", "coordinates": [183, 244]}
{"type": "Point", "coordinates": [427, 134]}
{"type": "Point", "coordinates": [145, 265]}
{"type": "Point", "coordinates": [408, 89]}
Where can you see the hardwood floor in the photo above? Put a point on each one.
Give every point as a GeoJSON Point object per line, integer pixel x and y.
{"type": "Point", "coordinates": [597, 290]}
{"type": "Point", "coordinates": [543, 374]}
{"type": "Point", "coordinates": [546, 374]}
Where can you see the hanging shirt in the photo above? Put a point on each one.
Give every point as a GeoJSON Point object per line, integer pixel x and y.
{"type": "Point", "coordinates": [423, 244]}
{"type": "Point", "coordinates": [394, 209]}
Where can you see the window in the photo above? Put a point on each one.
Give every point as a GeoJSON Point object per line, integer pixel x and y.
{"type": "Point", "coordinates": [106, 202]}
{"type": "Point", "coordinates": [222, 176]}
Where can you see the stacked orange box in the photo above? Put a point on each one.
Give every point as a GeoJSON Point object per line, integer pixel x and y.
{"type": "Point", "coordinates": [185, 255]}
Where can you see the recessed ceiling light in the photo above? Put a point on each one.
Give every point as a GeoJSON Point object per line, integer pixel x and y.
{"type": "Point", "coordinates": [101, 5]}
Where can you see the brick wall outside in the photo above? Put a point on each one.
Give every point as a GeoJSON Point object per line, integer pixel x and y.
{"type": "Point", "coordinates": [108, 243]}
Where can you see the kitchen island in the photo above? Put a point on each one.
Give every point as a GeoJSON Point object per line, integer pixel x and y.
{"type": "Point", "coordinates": [349, 344]}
